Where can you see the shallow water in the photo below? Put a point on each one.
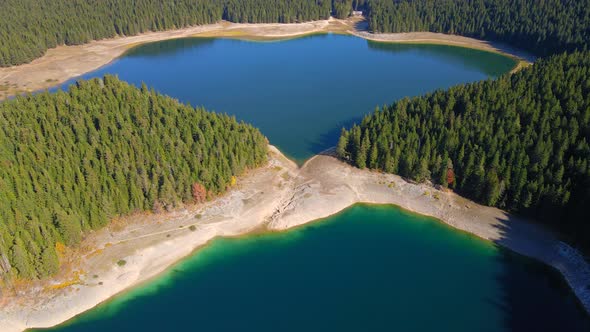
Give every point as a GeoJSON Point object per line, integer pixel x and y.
{"type": "Point", "coordinates": [300, 92]}
{"type": "Point", "coordinates": [370, 268]}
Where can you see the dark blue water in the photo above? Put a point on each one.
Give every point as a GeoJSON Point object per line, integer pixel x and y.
{"type": "Point", "coordinates": [301, 92]}
{"type": "Point", "coordinates": [370, 268]}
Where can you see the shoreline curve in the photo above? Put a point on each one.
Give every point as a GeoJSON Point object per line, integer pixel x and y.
{"type": "Point", "coordinates": [63, 63]}
{"type": "Point", "coordinates": [275, 197]}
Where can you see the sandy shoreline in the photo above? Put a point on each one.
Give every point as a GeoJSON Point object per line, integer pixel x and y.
{"type": "Point", "coordinates": [276, 197]}
{"type": "Point", "coordinates": [66, 62]}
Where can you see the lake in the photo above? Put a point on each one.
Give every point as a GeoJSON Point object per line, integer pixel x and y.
{"type": "Point", "coordinates": [370, 268]}
{"type": "Point", "coordinates": [301, 92]}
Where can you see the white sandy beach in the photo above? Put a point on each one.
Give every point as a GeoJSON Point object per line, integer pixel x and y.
{"type": "Point", "coordinates": [276, 197]}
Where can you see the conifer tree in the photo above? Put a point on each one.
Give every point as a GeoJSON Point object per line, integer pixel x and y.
{"type": "Point", "coordinates": [73, 160]}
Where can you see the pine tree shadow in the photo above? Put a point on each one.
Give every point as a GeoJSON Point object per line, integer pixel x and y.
{"type": "Point", "coordinates": [533, 296]}
{"type": "Point", "coordinates": [362, 26]}
{"type": "Point", "coordinates": [327, 141]}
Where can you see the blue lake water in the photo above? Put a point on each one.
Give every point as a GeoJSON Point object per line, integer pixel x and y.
{"type": "Point", "coordinates": [300, 92]}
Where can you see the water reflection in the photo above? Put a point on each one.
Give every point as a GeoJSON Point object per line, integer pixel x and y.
{"type": "Point", "coordinates": [489, 63]}
{"type": "Point", "coordinates": [302, 91]}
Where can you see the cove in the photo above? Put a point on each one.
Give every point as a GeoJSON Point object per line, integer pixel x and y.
{"type": "Point", "coordinates": [369, 268]}
{"type": "Point", "coordinates": [300, 92]}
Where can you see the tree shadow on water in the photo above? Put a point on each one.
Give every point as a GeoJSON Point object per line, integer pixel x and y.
{"type": "Point", "coordinates": [533, 295]}
{"type": "Point", "coordinates": [328, 140]}
{"type": "Point", "coordinates": [362, 26]}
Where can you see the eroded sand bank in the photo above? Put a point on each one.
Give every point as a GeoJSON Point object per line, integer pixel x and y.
{"type": "Point", "coordinates": [276, 197]}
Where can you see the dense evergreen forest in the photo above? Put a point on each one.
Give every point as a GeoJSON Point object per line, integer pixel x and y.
{"type": "Point", "coordinates": [72, 160]}
{"type": "Point", "coordinates": [543, 27]}
{"type": "Point", "coordinates": [520, 143]}
{"type": "Point", "coordinates": [273, 11]}
{"type": "Point", "coordinates": [29, 27]}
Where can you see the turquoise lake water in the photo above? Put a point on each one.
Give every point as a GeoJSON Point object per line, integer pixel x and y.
{"type": "Point", "coordinates": [370, 268]}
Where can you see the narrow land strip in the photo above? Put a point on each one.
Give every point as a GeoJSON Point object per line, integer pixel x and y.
{"type": "Point", "coordinates": [276, 197]}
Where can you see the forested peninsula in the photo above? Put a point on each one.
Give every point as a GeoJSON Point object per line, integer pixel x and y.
{"type": "Point", "coordinates": [520, 142]}
{"type": "Point", "coordinates": [71, 161]}
{"type": "Point", "coordinates": [541, 27]}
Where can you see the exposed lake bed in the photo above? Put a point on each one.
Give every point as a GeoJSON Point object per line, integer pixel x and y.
{"type": "Point", "coordinates": [281, 196]}
{"type": "Point", "coordinates": [367, 268]}
{"type": "Point", "coordinates": [301, 109]}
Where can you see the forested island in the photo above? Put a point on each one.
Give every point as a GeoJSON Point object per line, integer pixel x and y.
{"type": "Point", "coordinates": [71, 161]}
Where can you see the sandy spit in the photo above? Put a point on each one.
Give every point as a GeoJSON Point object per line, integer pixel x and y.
{"type": "Point", "coordinates": [66, 62]}
{"type": "Point", "coordinates": [276, 197]}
